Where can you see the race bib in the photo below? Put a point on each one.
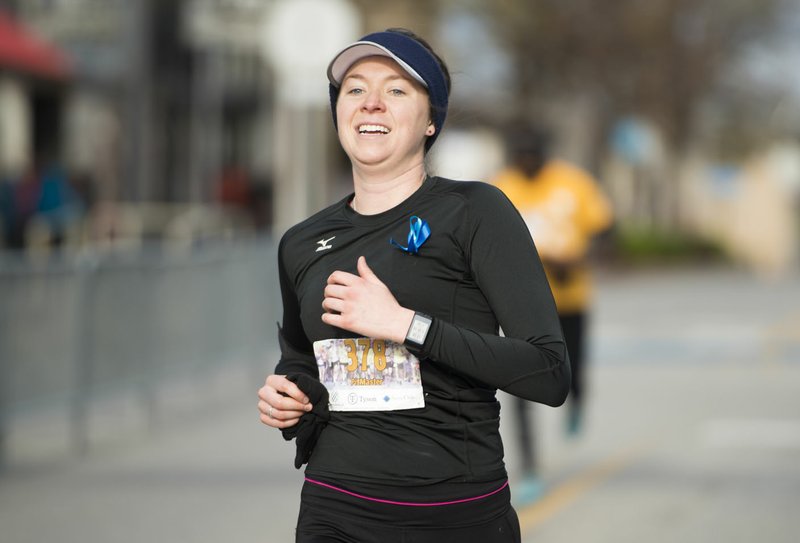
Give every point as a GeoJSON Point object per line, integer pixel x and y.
{"type": "Point", "coordinates": [364, 374]}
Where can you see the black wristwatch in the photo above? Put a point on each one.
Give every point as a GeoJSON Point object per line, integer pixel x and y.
{"type": "Point", "coordinates": [418, 331]}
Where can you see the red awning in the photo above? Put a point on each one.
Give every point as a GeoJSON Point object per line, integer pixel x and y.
{"type": "Point", "coordinates": [22, 51]}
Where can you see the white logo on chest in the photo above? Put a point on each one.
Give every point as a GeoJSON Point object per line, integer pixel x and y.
{"type": "Point", "coordinates": [324, 244]}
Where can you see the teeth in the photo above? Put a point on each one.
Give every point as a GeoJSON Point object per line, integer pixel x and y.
{"type": "Point", "coordinates": [372, 128]}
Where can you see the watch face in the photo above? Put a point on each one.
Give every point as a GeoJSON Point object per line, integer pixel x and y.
{"type": "Point", "coordinates": [418, 330]}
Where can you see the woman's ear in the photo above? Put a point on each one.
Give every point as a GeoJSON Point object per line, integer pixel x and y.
{"type": "Point", "coordinates": [431, 130]}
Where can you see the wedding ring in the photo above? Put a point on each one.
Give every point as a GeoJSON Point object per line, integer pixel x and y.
{"type": "Point", "coordinates": [269, 413]}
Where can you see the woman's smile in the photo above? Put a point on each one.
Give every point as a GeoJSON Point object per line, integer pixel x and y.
{"type": "Point", "coordinates": [368, 129]}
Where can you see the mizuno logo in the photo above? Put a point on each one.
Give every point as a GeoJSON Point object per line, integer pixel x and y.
{"type": "Point", "coordinates": [324, 244]}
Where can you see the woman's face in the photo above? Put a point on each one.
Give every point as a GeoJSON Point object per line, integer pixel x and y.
{"type": "Point", "coordinates": [383, 114]}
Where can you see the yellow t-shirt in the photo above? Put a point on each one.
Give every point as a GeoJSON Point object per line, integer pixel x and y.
{"type": "Point", "coordinates": [564, 209]}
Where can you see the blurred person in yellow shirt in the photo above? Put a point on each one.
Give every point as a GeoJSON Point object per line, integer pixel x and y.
{"type": "Point", "coordinates": [564, 209]}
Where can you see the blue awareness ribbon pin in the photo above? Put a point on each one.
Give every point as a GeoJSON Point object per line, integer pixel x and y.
{"type": "Point", "coordinates": [417, 235]}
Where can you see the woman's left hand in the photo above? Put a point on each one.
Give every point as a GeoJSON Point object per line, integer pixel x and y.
{"type": "Point", "coordinates": [364, 304]}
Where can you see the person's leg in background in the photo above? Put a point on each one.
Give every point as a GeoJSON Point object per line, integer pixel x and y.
{"type": "Point", "coordinates": [529, 488]}
{"type": "Point", "coordinates": [574, 327]}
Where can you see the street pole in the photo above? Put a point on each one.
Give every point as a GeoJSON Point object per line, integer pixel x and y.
{"type": "Point", "coordinates": [300, 38]}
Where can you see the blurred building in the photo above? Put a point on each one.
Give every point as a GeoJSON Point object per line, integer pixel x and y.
{"type": "Point", "coordinates": [163, 100]}
{"type": "Point", "coordinates": [168, 97]}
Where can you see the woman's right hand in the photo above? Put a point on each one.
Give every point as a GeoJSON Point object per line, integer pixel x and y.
{"type": "Point", "coordinates": [281, 403]}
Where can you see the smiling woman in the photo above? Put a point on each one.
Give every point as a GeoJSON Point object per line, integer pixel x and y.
{"type": "Point", "coordinates": [389, 370]}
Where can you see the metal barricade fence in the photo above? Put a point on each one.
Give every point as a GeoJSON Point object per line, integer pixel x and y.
{"type": "Point", "coordinates": [75, 328]}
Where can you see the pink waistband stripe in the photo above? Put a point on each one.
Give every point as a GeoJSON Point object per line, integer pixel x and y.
{"type": "Point", "coordinates": [408, 504]}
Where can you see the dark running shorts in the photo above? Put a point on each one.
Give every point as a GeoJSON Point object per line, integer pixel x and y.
{"type": "Point", "coordinates": [331, 516]}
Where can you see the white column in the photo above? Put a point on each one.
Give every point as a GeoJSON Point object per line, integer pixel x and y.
{"type": "Point", "coordinates": [15, 126]}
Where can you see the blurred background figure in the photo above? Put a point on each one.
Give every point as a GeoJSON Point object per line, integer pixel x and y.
{"type": "Point", "coordinates": [564, 209]}
{"type": "Point", "coordinates": [60, 207]}
{"type": "Point", "coordinates": [233, 188]}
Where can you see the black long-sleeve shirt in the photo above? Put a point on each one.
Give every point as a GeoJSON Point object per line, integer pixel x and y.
{"type": "Point", "coordinates": [477, 272]}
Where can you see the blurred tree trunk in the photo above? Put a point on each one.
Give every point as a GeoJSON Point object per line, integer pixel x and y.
{"type": "Point", "coordinates": [419, 16]}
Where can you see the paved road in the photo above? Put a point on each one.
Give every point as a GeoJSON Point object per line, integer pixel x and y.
{"type": "Point", "coordinates": [693, 435]}
{"type": "Point", "coordinates": [694, 432]}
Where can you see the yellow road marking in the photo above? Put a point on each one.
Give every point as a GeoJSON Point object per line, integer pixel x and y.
{"type": "Point", "coordinates": [569, 491]}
